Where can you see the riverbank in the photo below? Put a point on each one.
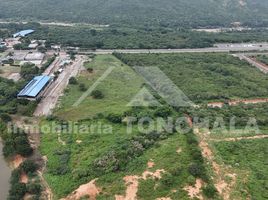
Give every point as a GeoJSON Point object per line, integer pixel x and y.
{"type": "Point", "coordinates": [5, 174]}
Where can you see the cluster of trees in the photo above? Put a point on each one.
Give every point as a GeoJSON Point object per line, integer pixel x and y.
{"type": "Point", "coordinates": [18, 189]}
{"type": "Point", "coordinates": [240, 113]}
{"type": "Point", "coordinates": [171, 13]}
{"type": "Point", "coordinates": [28, 71]}
{"type": "Point", "coordinates": [15, 142]}
{"type": "Point", "coordinates": [48, 63]}
{"type": "Point", "coordinates": [205, 76]}
{"type": "Point", "coordinates": [62, 166]}
{"type": "Point", "coordinates": [145, 37]}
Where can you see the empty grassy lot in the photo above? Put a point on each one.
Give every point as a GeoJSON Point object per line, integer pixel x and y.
{"type": "Point", "coordinates": [247, 157]}
{"type": "Point", "coordinates": [206, 76]}
{"type": "Point", "coordinates": [119, 87]}
{"type": "Point", "coordinates": [75, 157]}
{"type": "Point", "coordinates": [7, 70]}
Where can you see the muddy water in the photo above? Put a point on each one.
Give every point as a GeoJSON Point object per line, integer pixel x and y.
{"type": "Point", "coordinates": [5, 173]}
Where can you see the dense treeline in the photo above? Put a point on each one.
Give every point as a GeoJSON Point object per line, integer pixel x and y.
{"type": "Point", "coordinates": [18, 189]}
{"type": "Point", "coordinates": [240, 114]}
{"type": "Point", "coordinates": [85, 36]}
{"type": "Point", "coordinates": [173, 13]}
{"type": "Point", "coordinates": [206, 76]}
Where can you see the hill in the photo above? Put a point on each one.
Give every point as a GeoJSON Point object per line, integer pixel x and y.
{"type": "Point", "coordinates": [179, 13]}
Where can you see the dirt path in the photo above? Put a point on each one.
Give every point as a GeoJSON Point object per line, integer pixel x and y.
{"type": "Point", "coordinates": [240, 138]}
{"type": "Point", "coordinates": [221, 172]}
{"type": "Point", "coordinates": [195, 191]}
{"type": "Point", "coordinates": [253, 62]}
{"type": "Point", "coordinates": [47, 192]}
{"type": "Point", "coordinates": [132, 182]}
{"type": "Point", "coordinates": [57, 87]}
{"type": "Point", "coordinates": [236, 102]}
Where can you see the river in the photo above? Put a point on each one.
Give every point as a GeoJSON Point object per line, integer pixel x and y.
{"type": "Point", "coordinates": [5, 173]}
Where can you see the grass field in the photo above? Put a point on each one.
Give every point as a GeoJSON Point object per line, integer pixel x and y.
{"type": "Point", "coordinates": [81, 157]}
{"type": "Point", "coordinates": [206, 76]}
{"type": "Point", "coordinates": [110, 156]}
{"type": "Point", "coordinates": [7, 70]}
{"type": "Point", "coordinates": [247, 156]}
{"type": "Point", "coordinates": [120, 86]}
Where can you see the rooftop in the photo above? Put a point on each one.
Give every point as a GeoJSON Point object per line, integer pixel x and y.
{"type": "Point", "coordinates": [34, 87]}
{"type": "Point", "coordinates": [23, 33]}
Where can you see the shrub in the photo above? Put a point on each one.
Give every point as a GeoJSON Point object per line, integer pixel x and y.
{"type": "Point", "coordinates": [97, 94]}
{"type": "Point", "coordinates": [17, 191]}
{"type": "Point", "coordinates": [114, 118]}
{"type": "Point", "coordinates": [5, 117]}
{"type": "Point", "coordinates": [34, 188]}
{"type": "Point", "coordinates": [90, 70]}
{"type": "Point", "coordinates": [82, 87]}
{"type": "Point", "coordinates": [196, 169]}
{"type": "Point", "coordinates": [28, 166]}
{"type": "Point", "coordinates": [210, 191]}
{"type": "Point", "coordinates": [73, 81]}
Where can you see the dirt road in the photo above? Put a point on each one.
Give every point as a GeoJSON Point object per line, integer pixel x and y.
{"type": "Point", "coordinates": [253, 62]}
{"type": "Point", "coordinates": [56, 88]}
{"type": "Point", "coordinates": [236, 102]}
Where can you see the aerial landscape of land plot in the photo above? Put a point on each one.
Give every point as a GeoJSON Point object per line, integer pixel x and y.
{"type": "Point", "coordinates": [133, 100]}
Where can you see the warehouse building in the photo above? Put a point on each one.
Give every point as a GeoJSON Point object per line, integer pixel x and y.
{"type": "Point", "coordinates": [23, 33]}
{"type": "Point", "coordinates": [34, 89]}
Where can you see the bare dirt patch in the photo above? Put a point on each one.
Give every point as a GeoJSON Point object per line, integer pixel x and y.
{"type": "Point", "coordinates": [90, 189]}
{"type": "Point", "coordinates": [24, 178]}
{"type": "Point", "coordinates": [132, 182]}
{"type": "Point", "coordinates": [17, 160]}
{"type": "Point", "coordinates": [179, 150]}
{"type": "Point", "coordinates": [221, 172]}
{"type": "Point", "coordinates": [150, 164]}
{"type": "Point", "coordinates": [195, 191]}
{"type": "Point", "coordinates": [236, 102]}
{"type": "Point", "coordinates": [241, 138]}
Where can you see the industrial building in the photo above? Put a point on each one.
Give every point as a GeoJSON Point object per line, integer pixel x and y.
{"type": "Point", "coordinates": [35, 87]}
{"type": "Point", "coordinates": [23, 33]}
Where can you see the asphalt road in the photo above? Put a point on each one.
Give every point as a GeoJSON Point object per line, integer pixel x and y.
{"type": "Point", "coordinates": [224, 48]}
{"type": "Point", "coordinates": [243, 47]}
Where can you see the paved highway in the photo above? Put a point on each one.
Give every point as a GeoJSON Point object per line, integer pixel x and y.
{"type": "Point", "coordinates": [225, 48]}
{"type": "Point", "coordinates": [243, 47]}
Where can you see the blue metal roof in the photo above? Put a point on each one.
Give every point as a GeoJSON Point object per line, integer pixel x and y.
{"type": "Point", "coordinates": [35, 86]}
{"type": "Point", "coordinates": [23, 33]}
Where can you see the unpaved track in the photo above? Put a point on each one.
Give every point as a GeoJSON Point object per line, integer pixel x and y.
{"type": "Point", "coordinates": [253, 62]}
{"type": "Point", "coordinates": [56, 88]}
{"type": "Point", "coordinates": [240, 138]}
{"type": "Point", "coordinates": [236, 102]}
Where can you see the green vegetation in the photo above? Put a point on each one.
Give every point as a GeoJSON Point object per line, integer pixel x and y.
{"type": "Point", "coordinates": [174, 13]}
{"type": "Point", "coordinates": [206, 76]}
{"type": "Point", "coordinates": [71, 147]}
{"type": "Point", "coordinates": [250, 156]}
{"type": "Point", "coordinates": [262, 58]}
{"type": "Point", "coordinates": [84, 36]}
{"type": "Point", "coordinates": [118, 88]}
{"type": "Point", "coordinates": [18, 189]}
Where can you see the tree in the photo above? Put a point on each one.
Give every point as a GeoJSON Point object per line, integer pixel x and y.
{"type": "Point", "coordinates": [22, 146]}
{"type": "Point", "coordinates": [5, 117]}
{"type": "Point", "coordinates": [97, 94]}
{"type": "Point", "coordinates": [82, 87]}
{"type": "Point", "coordinates": [73, 81]}
{"type": "Point", "coordinates": [28, 166]}
{"type": "Point", "coordinates": [210, 191]}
